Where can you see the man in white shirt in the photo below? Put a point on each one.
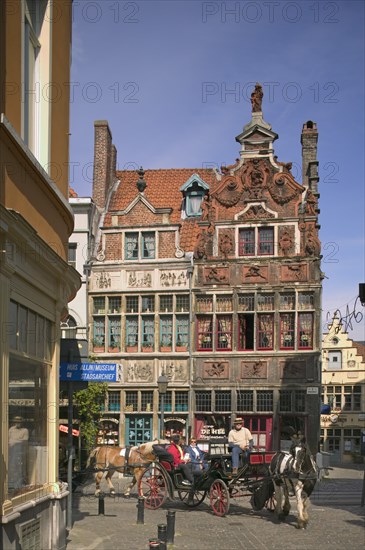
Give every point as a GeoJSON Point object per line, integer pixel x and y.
{"type": "Point", "coordinates": [240, 441]}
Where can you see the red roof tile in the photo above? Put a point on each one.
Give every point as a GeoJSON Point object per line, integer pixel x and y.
{"type": "Point", "coordinates": [162, 189]}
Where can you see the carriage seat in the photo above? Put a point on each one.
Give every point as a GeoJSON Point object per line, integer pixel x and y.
{"type": "Point", "coordinates": [218, 448]}
{"type": "Point", "coordinates": [163, 455]}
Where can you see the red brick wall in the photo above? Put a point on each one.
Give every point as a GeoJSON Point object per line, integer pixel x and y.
{"type": "Point", "coordinates": [166, 247]}
{"type": "Point", "coordinates": [113, 246]}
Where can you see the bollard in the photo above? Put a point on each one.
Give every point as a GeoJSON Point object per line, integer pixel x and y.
{"type": "Point", "coordinates": [101, 505]}
{"type": "Point", "coordinates": [170, 532]}
{"type": "Point", "coordinates": [140, 511]}
{"type": "Point", "coordinates": [163, 545]}
{"type": "Point", "coordinates": [154, 544]}
{"type": "Point", "coordinates": [161, 532]}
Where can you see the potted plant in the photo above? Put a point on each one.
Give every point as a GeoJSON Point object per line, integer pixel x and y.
{"type": "Point", "coordinates": [98, 344]}
{"type": "Point", "coordinates": [166, 344]}
{"type": "Point", "coordinates": [132, 345]}
{"type": "Point", "coordinates": [181, 345]}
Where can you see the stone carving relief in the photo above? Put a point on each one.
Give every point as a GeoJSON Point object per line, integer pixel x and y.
{"type": "Point", "coordinates": [283, 188]}
{"type": "Point", "coordinates": [255, 212]}
{"type": "Point", "coordinates": [173, 278]}
{"type": "Point", "coordinates": [253, 369]}
{"type": "Point", "coordinates": [139, 279]}
{"type": "Point", "coordinates": [216, 275]}
{"type": "Point", "coordinates": [103, 280]}
{"type": "Point", "coordinates": [286, 241]}
{"type": "Point", "coordinates": [256, 98]}
{"type": "Point", "coordinates": [311, 204]}
{"type": "Point", "coordinates": [254, 178]}
{"type": "Point", "coordinates": [254, 273]}
{"type": "Point", "coordinates": [208, 209]}
{"type": "Point", "coordinates": [229, 192]}
{"type": "Point", "coordinates": [218, 369]}
{"type": "Point", "coordinates": [174, 370]}
{"type": "Point", "coordinates": [139, 372]}
{"type": "Point", "coordinates": [312, 245]}
{"type": "Point", "coordinates": [226, 243]}
{"type": "Point", "coordinates": [204, 246]}
{"type": "Point", "coordinates": [293, 369]}
{"type": "Point", "coordinates": [294, 272]}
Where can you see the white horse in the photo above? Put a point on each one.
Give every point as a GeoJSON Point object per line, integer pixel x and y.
{"type": "Point", "coordinates": [294, 472]}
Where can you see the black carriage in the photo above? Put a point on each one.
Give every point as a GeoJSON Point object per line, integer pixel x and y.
{"type": "Point", "coordinates": [160, 481]}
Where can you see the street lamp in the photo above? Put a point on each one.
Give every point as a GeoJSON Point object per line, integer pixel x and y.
{"type": "Point", "coordinates": [162, 382]}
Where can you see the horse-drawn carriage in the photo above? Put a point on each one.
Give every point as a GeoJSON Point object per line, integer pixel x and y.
{"type": "Point", "coordinates": [268, 478]}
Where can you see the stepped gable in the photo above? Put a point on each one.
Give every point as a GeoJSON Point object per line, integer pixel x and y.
{"type": "Point", "coordinates": [162, 190]}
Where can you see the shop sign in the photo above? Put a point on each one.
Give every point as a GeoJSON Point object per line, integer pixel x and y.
{"type": "Point", "coordinates": [88, 372]}
{"type": "Point", "coordinates": [64, 429]}
{"type": "Point", "coordinates": [211, 432]}
{"type": "Point", "coordinates": [175, 419]}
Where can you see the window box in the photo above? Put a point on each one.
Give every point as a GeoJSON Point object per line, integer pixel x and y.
{"type": "Point", "coordinates": [131, 349]}
{"type": "Point", "coordinates": [147, 348]}
{"type": "Point", "coordinates": [113, 350]}
{"type": "Point", "coordinates": [98, 349]}
{"type": "Point", "coordinates": [181, 348]}
{"type": "Point", "coordinates": [165, 348]}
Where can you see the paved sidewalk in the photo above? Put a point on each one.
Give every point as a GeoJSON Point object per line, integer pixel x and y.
{"type": "Point", "coordinates": [336, 521]}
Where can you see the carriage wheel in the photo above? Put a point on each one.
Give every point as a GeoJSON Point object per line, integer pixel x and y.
{"type": "Point", "coordinates": [219, 497]}
{"type": "Point", "coordinates": [191, 497]}
{"type": "Point", "coordinates": [270, 504]}
{"type": "Point", "coordinates": [152, 485]}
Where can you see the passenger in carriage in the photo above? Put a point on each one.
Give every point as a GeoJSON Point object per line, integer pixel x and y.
{"type": "Point", "coordinates": [241, 442]}
{"type": "Point", "coordinates": [196, 456]}
{"type": "Point", "coordinates": [180, 463]}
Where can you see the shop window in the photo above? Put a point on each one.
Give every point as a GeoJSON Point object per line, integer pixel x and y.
{"type": "Point", "coordinates": [265, 302]}
{"type": "Point", "coordinates": [287, 301]}
{"type": "Point", "coordinates": [224, 303]}
{"type": "Point", "coordinates": [98, 305]}
{"type": "Point", "coordinates": [306, 300]}
{"type": "Point", "coordinates": [28, 446]}
{"type": "Point", "coordinates": [246, 302]}
{"type": "Point", "coordinates": [132, 304]}
{"type": "Point", "coordinates": [204, 304]}
{"type": "Point", "coordinates": [148, 304]}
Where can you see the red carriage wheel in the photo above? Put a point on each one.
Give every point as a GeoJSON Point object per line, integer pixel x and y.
{"type": "Point", "coordinates": [153, 487]}
{"type": "Point", "coordinates": [219, 497]}
{"type": "Point", "coordinates": [191, 497]}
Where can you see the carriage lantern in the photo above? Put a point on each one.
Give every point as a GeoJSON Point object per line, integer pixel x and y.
{"type": "Point", "coordinates": [162, 382]}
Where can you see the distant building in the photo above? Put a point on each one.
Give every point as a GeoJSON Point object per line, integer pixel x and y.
{"type": "Point", "coordinates": [36, 280]}
{"type": "Point", "coordinates": [343, 393]}
{"type": "Point", "coordinates": [213, 278]}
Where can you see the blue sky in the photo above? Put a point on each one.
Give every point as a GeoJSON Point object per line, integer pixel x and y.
{"type": "Point", "coordinates": [174, 79]}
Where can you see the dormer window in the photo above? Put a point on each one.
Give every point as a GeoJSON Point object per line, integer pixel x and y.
{"type": "Point", "coordinates": [193, 191]}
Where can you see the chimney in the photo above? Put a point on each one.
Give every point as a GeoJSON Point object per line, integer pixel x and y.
{"type": "Point", "coordinates": [104, 162]}
{"type": "Point", "coordinates": [309, 139]}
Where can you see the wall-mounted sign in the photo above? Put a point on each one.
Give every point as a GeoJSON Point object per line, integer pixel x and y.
{"type": "Point", "coordinates": [312, 390]}
{"type": "Point", "coordinates": [89, 372]}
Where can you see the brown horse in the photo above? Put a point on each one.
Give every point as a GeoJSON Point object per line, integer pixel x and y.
{"type": "Point", "coordinates": [112, 459]}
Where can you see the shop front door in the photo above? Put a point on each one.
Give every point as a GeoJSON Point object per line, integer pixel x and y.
{"type": "Point", "coordinates": [138, 430]}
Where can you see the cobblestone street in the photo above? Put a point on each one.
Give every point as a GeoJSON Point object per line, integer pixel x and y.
{"type": "Point", "coordinates": [336, 521]}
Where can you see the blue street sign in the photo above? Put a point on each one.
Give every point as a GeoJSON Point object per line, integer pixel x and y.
{"type": "Point", "coordinates": [89, 372]}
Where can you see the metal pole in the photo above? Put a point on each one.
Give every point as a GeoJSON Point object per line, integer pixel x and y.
{"type": "Point", "coordinates": [162, 532]}
{"type": "Point", "coordinates": [140, 511]}
{"type": "Point", "coordinates": [101, 505]}
{"type": "Point", "coordinates": [162, 427]}
{"type": "Point", "coordinates": [69, 456]}
{"type": "Point", "coordinates": [170, 531]}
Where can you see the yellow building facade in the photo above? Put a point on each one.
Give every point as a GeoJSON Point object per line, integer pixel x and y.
{"type": "Point", "coordinates": [35, 278]}
{"type": "Point", "coordinates": [343, 391]}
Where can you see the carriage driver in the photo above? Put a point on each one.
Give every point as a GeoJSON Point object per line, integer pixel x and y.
{"type": "Point", "coordinates": [240, 441]}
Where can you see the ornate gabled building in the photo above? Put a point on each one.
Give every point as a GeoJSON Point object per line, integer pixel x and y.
{"type": "Point", "coordinates": [213, 278]}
